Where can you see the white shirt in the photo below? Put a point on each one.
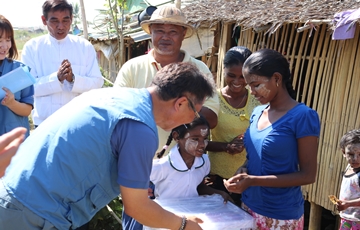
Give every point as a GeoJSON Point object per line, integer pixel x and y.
{"type": "Point", "coordinates": [350, 190]}
{"type": "Point", "coordinates": [173, 179]}
{"type": "Point", "coordinates": [44, 55]}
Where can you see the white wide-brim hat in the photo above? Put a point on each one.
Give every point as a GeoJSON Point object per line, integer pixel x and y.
{"type": "Point", "coordinates": [168, 15]}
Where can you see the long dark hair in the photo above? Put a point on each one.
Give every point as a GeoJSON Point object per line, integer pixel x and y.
{"type": "Point", "coordinates": [236, 56]}
{"type": "Point", "coordinates": [266, 62]}
{"type": "Point", "coordinates": [182, 130]}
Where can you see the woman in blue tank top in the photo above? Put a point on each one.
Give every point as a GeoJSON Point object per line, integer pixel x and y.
{"type": "Point", "coordinates": [281, 144]}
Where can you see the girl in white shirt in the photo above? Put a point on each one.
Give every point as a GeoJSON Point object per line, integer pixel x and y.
{"type": "Point", "coordinates": [182, 171]}
{"type": "Point", "coordinates": [349, 199]}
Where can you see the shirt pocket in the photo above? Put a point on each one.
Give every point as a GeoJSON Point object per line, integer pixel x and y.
{"type": "Point", "coordinates": [84, 209]}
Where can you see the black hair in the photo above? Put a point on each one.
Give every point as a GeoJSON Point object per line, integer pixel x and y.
{"type": "Point", "coordinates": [6, 27]}
{"type": "Point", "coordinates": [179, 79]}
{"type": "Point", "coordinates": [182, 130]}
{"type": "Point", "coordinates": [350, 138]}
{"type": "Point", "coordinates": [266, 62]}
{"type": "Point", "coordinates": [236, 56]}
{"type": "Point", "coordinates": [56, 5]}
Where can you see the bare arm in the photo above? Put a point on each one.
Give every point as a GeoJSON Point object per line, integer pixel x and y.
{"type": "Point", "coordinates": [9, 144]}
{"type": "Point", "coordinates": [19, 108]}
{"type": "Point", "coordinates": [149, 213]}
{"type": "Point", "coordinates": [232, 147]}
{"type": "Point", "coordinates": [203, 189]}
{"type": "Point", "coordinates": [210, 116]}
{"type": "Point", "coordinates": [344, 204]}
{"type": "Point", "coordinates": [307, 149]}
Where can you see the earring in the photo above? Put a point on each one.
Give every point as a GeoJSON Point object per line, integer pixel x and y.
{"type": "Point", "coordinates": [277, 84]}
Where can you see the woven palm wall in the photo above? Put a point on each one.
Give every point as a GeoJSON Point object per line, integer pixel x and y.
{"type": "Point", "coordinates": [326, 76]}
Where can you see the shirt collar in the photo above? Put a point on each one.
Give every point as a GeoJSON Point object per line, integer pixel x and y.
{"type": "Point", "coordinates": [178, 163]}
{"type": "Point", "coordinates": [153, 61]}
{"type": "Point", "coordinates": [52, 39]}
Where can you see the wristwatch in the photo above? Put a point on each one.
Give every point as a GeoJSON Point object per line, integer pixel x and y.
{"type": "Point", "coordinates": [73, 78]}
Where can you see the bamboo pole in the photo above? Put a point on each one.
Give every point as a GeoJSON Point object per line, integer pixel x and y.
{"type": "Point", "coordinates": [321, 82]}
{"type": "Point", "coordinates": [271, 41]}
{"type": "Point", "coordinates": [354, 121]}
{"type": "Point", "coordinates": [324, 178]}
{"type": "Point", "coordinates": [83, 19]}
{"type": "Point", "coordinates": [312, 67]}
{"type": "Point", "coordinates": [251, 39]}
{"type": "Point", "coordinates": [283, 34]}
{"type": "Point", "coordinates": [315, 216]}
{"type": "Point", "coordinates": [222, 51]}
{"type": "Point", "coordinates": [311, 75]}
{"type": "Point", "coordinates": [298, 62]}
{"type": "Point", "coordinates": [340, 87]}
{"type": "Point", "coordinates": [256, 45]}
{"type": "Point", "coordinates": [327, 79]}
{"type": "Point", "coordinates": [291, 50]}
{"type": "Point", "coordinates": [319, 63]}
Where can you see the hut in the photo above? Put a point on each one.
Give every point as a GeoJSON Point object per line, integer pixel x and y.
{"type": "Point", "coordinates": [326, 72]}
{"type": "Point", "coordinates": [136, 41]}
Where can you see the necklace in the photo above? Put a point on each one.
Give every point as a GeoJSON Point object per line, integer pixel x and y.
{"type": "Point", "coordinates": [237, 106]}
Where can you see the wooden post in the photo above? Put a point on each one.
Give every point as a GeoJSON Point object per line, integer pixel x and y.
{"type": "Point", "coordinates": [315, 216]}
{"type": "Point", "coordinates": [337, 222]}
{"type": "Point", "coordinates": [222, 50]}
{"type": "Point", "coordinates": [83, 17]}
{"type": "Point", "coordinates": [178, 4]}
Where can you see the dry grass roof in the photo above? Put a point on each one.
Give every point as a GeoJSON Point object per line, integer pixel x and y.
{"type": "Point", "coordinates": [257, 13]}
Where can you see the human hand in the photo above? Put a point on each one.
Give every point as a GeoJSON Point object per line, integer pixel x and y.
{"type": "Point", "coordinates": [193, 222]}
{"type": "Point", "coordinates": [150, 192]}
{"type": "Point", "coordinates": [9, 144]}
{"type": "Point", "coordinates": [226, 197]}
{"type": "Point", "coordinates": [342, 205]}
{"type": "Point", "coordinates": [236, 145]}
{"type": "Point", "coordinates": [9, 98]}
{"type": "Point", "coordinates": [65, 71]}
{"type": "Point", "coordinates": [237, 183]}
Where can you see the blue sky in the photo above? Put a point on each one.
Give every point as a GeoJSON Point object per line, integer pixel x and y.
{"type": "Point", "coordinates": [27, 13]}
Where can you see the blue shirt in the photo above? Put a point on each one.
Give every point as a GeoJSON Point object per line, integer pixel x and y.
{"type": "Point", "coordinates": [9, 120]}
{"type": "Point", "coordinates": [74, 162]}
{"type": "Point", "coordinates": [274, 151]}
{"type": "Point", "coordinates": [134, 143]}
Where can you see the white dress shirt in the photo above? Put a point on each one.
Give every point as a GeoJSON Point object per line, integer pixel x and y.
{"type": "Point", "coordinates": [44, 56]}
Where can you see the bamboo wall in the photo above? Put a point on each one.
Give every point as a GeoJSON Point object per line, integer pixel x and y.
{"type": "Point", "coordinates": [111, 65]}
{"type": "Point", "coordinates": [326, 76]}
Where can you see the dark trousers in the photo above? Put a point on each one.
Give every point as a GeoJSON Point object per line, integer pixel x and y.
{"type": "Point", "coordinates": [84, 227]}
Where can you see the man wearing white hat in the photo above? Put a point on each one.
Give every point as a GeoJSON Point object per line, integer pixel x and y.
{"type": "Point", "coordinates": [167, 27]}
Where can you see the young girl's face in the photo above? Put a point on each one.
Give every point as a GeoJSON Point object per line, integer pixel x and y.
{"type": "Point", "coordinates": [5, 45]}
{"type": "Point", "coordinates": [352, 154]}
{"type": "Point", "coordinates": [195, 141]}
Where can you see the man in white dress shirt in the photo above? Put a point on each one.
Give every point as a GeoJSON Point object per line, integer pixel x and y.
{"type": "Point", "coordinates": [64, 65]}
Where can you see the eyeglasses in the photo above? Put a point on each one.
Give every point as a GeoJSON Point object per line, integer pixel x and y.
{"type": "Point", "coordinates": [197, 115]}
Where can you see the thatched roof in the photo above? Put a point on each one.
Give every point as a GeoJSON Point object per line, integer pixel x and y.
{"type": "Point", "coordinates": [257, 13]}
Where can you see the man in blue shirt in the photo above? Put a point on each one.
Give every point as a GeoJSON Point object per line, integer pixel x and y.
{"type": "Point", "coordinates": [69, 169]}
